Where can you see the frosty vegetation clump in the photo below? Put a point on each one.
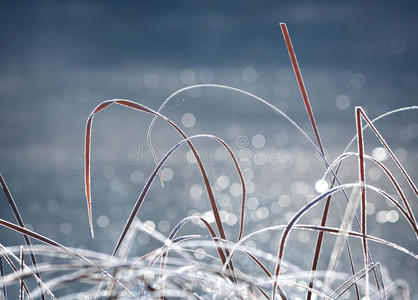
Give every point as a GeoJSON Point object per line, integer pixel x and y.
{"type": "Point", "coordinates": [208, 265]}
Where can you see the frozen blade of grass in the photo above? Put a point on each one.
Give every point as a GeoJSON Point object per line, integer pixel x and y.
{"type": "Point", "coordinates": [354, 279]}
{"type": "Point", "coordinates": [381, 291]}
{"type": "Point", "coordinates": [81, 273]}
{"type": "Point", "coordinates": [360, 112]}
{"type": "Point", "coordinates": [143, 108]}
{"type": "Point", "coordinates": [339, 242]}
{"type": "Point", "coordinates": [369, 123]}
{"type": "Point", "coordinates": [21, 269]}
{"type": "Point", "coordinates": [87, 180]}
{"type": "Point", "coordinates": [54, 252]}
{"type": "Point", "coordinates": [129, 240]}
{"type": "Point", "coordinates": [350, 212]}
{"type": "Point", "coordinates": [382, 116]}
{"type": "Point", "coordinates": [19, 219]}
{"type": "Point", "coordinates": [45, 268]}
{"type": "Point", "coordinates": [407, 213]}
{"type": "Point", "coordinates": [3, 286]}
{"type": "Point", "coordinates": [87, 173]}
{"type": "Point", "coordinates": [244, 191]}
{"type": "Point", "coordinates": [398, 206]}
{"type": "Point", "coordinates": [335, 231]}
{"type": "Point", "coordinates": [332, 230]}
{"type": "Point", "coordinates": [248, 94]}
{"type": "Point", "coordinates": [32, 234]}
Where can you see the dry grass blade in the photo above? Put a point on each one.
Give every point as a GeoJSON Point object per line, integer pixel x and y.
{"type": "Point", "coordinates": [87, 146]}
{"type": "Point", "coordinates": [362, 178]}
{"type": "Point", "coordinates": [143, 108]}
{"type": "Point", "coordinates": [301, 84]}
{"type": "Point", "coordinates": [311, 116]}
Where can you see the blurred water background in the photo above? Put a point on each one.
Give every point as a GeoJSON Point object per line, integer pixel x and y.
{"type": "Point", "coordinates": [58, 60]}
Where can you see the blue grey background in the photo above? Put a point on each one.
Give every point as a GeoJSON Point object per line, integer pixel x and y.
{"type": "Point", "coordinates": [58, 60]}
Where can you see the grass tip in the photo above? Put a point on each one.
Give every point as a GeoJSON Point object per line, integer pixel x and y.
{"type": "Point", "coordinates": [91, 230]}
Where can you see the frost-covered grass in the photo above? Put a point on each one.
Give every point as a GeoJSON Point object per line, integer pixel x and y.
{"type": "Point", "coordinates": [210, 265]}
